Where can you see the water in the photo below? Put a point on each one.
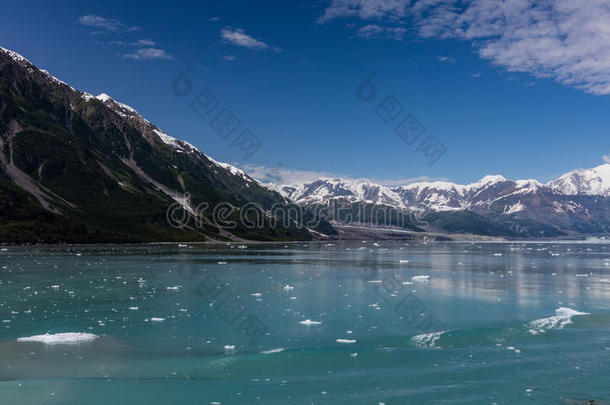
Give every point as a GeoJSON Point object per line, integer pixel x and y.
{"type": "Point", "coordinates": [227, 324]}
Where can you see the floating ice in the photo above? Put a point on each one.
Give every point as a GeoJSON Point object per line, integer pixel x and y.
{"type": "Point", "coordinates": [310, 322]}
{"type": "Point", "coordinates": [272, 351]}
{"type": "Point", "coordinates": [563, 316]}
{"type": "Point", "coordinates": [157, 319]}
{"type": "Point", "coordinates": [346, 341]}
{"type": "Point", "coordinates": [427, 339]}
{"type": "Point", "coordinates": [420, 278]}
{"type": "Point", "coordinates": [60, 338]}
{"type": "Point", "coordinates": [288, 287]}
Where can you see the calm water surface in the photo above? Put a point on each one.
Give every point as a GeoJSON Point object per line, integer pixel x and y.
{"type": "Point", "coordinates": [306, 323]}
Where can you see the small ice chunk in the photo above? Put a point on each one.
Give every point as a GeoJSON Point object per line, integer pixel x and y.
{"type": "Point", "coordinates": [272, 351]}
{"type": "Point", "coordinates": [310, 322]}
{"type": "Point", "coordinates": [346, 341]}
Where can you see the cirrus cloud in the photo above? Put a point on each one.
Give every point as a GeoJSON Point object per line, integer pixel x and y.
{"type": "Point", "coordinates": [147, 54]}
{"type": "Point", "coordinates": [106, 24]}
{"type": "Point", "coordinates": [240, 38]}
{"type": "Point", "coordinates": [280, 175]}
{"type": "Point", "coordinates": [374, 31]}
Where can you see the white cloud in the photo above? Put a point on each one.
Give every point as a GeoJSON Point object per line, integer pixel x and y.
{"type": "Point", "coordinates": [229, 58]}
{"type": "Point", "coordinates": [374, 31]}
{"type": "Point", "coordinates": [606, 158]}
{"type": "Point", "coordinates": [445, 59]}
{"type": "Point", "coordinates": [240, 38]}
{"type": "Point", "coordinates": [144, 42]}
{"type": "Point", "coordinates": [564, 40]}
{"type": "Point", "coordinates": [365, 9]}
{"type": "Point", "coordinates": [282, 175]}
{"type": "Point", "coordinates": [148, 53]}
{"type": "Point", "coordinates": [106, 24]}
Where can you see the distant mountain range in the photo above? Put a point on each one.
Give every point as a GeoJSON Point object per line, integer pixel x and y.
{"type": "Point", "coordinates": [577, 202]}
{"type": "Point", "coordinates": [80, 168]}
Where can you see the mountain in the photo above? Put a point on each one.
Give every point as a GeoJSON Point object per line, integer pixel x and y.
{"type": "Point", "coordinates": [79, 168]}
{"type": "Point", "coordinates": [594, 181]}
{"type": "Point", "coordinates": [576, 203]}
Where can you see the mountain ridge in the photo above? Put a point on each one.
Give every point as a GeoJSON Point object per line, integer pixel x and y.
{"type": "Point", "coordinates": [79, 168]}
{"type": "Point", "coordinates": [575, 203]}
{"type": "Point", "coordinates": [594, 181]}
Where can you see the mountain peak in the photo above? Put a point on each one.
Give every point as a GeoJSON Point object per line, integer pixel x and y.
{"type": "Point", "coordinates": [15, 56]}
{"type": "Point", "coordinates": [595, 181]}
{"type": "Point", "coordinates": [104, 97]}
{"type": "Point", "coordinates": [491, 179]}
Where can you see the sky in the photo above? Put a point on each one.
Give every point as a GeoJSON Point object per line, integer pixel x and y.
{"type": "Point", "coordinates": [390, 90]}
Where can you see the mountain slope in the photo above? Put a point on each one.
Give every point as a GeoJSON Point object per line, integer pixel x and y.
{"type": "Point", "coordinates": [78, 168]}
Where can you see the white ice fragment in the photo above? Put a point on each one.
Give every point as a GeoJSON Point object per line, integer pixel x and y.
{"type": "Point", "coordinates": [310, 322]}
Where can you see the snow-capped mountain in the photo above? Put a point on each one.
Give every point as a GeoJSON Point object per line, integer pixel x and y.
{"type": "Point", "coordinates": [594, 181]}
{"type": "Point", "coordinates": [578, 201]}
{"type": "Point", "coordinates": [437, 196]}
{"type": "Point", "coordinates": [322, 190]}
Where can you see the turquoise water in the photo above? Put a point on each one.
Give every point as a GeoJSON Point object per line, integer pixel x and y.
{"type": "Point", "coordinates": [222, 324]}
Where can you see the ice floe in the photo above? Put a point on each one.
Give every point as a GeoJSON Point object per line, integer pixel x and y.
{"type": "Point", "coordinates": [427, 339]}
{"type": "Point", "coordinates": [60, 338]}
{"type": "Point", "coordinates": [563, 316]}
{"type": "Point", "coordinates": [272, 351]}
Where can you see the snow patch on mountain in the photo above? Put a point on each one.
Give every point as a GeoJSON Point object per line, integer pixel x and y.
{"type": "Point", "coordinates": [235, 171]}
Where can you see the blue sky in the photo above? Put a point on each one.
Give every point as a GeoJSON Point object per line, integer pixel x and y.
{"type": "Point", "coordinates": [507, 87]}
